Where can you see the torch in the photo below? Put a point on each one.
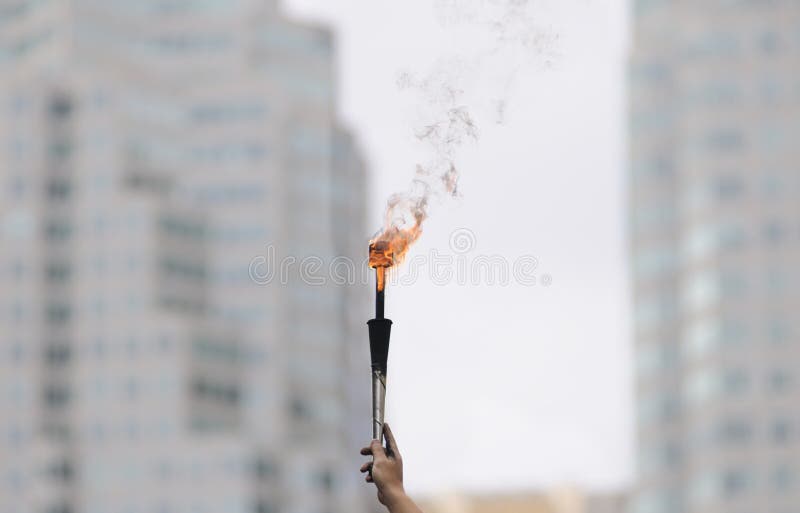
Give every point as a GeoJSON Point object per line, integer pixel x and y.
{"type": "Point", "coordinates": [380, 258]}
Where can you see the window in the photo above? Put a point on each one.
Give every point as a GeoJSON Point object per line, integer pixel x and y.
{"type": "Point", "coordinates": [245, 151]}
{"type": "Point", "coordinates": [60, 508]}
{"type": "Point", "coordinates": [654, 261]}
{"type": "Point", "coordinates": [778, 331]}
{"type": "Point", "coordinates": [189, 6]}
{"type": "Point", "coordinates": [772, 185]}
{"type": "Point", "coordinates": [770, 90]}
{"type": "Point", "coordinates": [736, 481]}
{"type": "Point", "coordinates": [208, 389]}
{"type": "Point", "coordinates": [173, 266]}
{"type": "Point", "coordinates": [17, 186]}
{"type": "Point", "coordinates": [132, 429]}
{"type": "Point", "coordinates": [781, 431]}
{"type": "Point", "coordinates": [183, 228]}
{"type": "Point", "coordinates": [58, 313]}
{"type": "Point", "coordinates": [778, 281]}
{"type": "Point", "coordinates": [703, 240]}
{"type": "Point", "coordinates": [769, 42]}
{"type": "Point", "coordinates": [131, 389]}
{"type": "Point", "coordinates": [60, 107]}
{"type": "Point", "coordinates": [164, 343]}
{"type": "Point", "coordinates": [782, 478]}
{"type": "Point", "coordinates": [714, 43]}
{"type": "Point", "coordinates": [58, 230]}
{"type": "Point", "coordinates": [241, 111]}
{"type": "Point", "coordinates": [701, 292]}
{"type": "Point", "coordinates": [659, 457]}
{"type": "Point", "coordinates": [189, 42]}
{"type": "Point", "coordinates": [17, 268]}
{"type": "Point", "coordinates": [655, 358]}
{"type": "Point", "coordinates": [728, 187]}
{"type": "Point", "coordinates": [657, 501]}
{"type": "Point", "coordinates": [658, 408]}
{"type": "Point", "coordinates": [99, 387]}
{"type": "Point", "coordinates": [62, 471]}
{"type": "Point", "coordinates": [19, 104]}
{"type": "Point", "coordinates": [17, 312]}
{"type": "Point", "coordinates": [654, 311]}
{"type": "Point", "coordinates": [263, 506]}
{"type": "Point", "coordinates": [58, 354]}
{"type": "Point", "coordinates": [725, 140]}
{"type": "Point", "coordinates": [733, 284]}
{"type": "Point", "coordinates": [701, 386]}
{"type": "Point", "coordinates": [99, 348]}
{"type": "Point", "coordinates": [324, 480]}
{"type": "Point", "coordinates": [702, 338]}
{"type": "Point", "coordinates": [56, 396]}
{"type": "Point", "coordinates": [735, 332]}
{"type": "Point", "coordinates": [265, 468]}
{"type": "Point", "coordinates": [735, 382]}
{"type": "Point", "coordinates": [16, 436]}
{"type": "Point", "coordinates": [653, 216]}
{"type": "Point", "coordinates": [58, 189]}
{"type": "Point", "coordinates": [16, 352]}
{"type": "Point", "coordinates": [774, 232]}
{"type": "Point", "coordinates": [779, 380]}
{"type": "Point", "coordinates": [773, 136]}
{"type": "Point", "coordinates": [735, 431]}
{"type": "Point", "coordinates": [658, 167]}
{"type": "Point", "coordinates": [732, 237]}
{"type": "Point", "coordinates": [716, 92]}
{"type": "Point", "coordinates": [60, 149]}
{"type": "Point", "coordinates": [299, 409]}
{"type": "Point", "coordinates": [644, 7]}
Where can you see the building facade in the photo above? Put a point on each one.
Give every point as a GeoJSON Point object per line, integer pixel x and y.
{"type": "Point", "coordinates": [150, 153]}
{"type": "Point", "coordinates": [715, 233]}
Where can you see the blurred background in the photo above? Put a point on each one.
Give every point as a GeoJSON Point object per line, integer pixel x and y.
{"type": "Point", "coordinates": [159, 159]}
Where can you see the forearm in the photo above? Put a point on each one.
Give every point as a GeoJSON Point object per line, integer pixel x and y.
{"type": "Point", "coordinates": [402, 504]}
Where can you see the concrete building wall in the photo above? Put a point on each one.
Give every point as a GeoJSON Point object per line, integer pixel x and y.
{"type": "Point", "coordinates": [149, 152]}
{"type": "Point", "coordinates": [714, 193]}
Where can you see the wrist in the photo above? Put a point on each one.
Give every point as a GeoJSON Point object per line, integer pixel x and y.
{"type": "Point", "coordinates": [394, 496]}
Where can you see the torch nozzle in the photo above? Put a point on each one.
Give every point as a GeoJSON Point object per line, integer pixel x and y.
{"type": "Point", "coordinates": [380, 279]}
{"type": "Point", "coordinates": [380, 292]}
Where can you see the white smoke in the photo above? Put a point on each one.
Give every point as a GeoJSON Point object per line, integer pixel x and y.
{"type": "Point", "coordinates": [461, 88]}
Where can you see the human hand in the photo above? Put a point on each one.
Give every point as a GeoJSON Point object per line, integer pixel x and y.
{"type": "Point", "coordinates": [386, 469]}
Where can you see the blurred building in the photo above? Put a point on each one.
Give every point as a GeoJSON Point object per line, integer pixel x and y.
{"type": "Point", "coordinates": [157, 159]}
{"type": "Point", "coordinates": [715, 189]}
{"type": "Point", "coordinates": [556, 501]}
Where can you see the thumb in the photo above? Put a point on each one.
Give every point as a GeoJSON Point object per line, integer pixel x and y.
{"type": "Point", "coordinates": [391, 443]}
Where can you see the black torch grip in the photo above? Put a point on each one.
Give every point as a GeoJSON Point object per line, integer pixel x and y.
{"type": "Point", "coordinates": [379, 332]}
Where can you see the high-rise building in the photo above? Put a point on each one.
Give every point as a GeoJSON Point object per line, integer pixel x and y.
{"type": "Point", "coordinates": [715, 232]}
{"type": "Point", "coordinates": [157, 159]}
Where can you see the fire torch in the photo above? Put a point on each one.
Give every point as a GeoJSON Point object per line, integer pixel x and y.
{"type": "Point", "coordinates": [386, 250]}
{"type": "Point", "coordinates": [380, 258]}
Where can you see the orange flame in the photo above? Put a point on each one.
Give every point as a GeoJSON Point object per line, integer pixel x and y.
{"type": "Point", "coordinates": [389, 248]}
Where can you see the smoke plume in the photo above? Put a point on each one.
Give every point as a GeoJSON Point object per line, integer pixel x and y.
{"type": "Point", "coordinates": [457, 90]}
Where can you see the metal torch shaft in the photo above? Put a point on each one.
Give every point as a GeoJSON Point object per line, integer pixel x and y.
{"type": "Point", "coordinates": [378, 403]}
